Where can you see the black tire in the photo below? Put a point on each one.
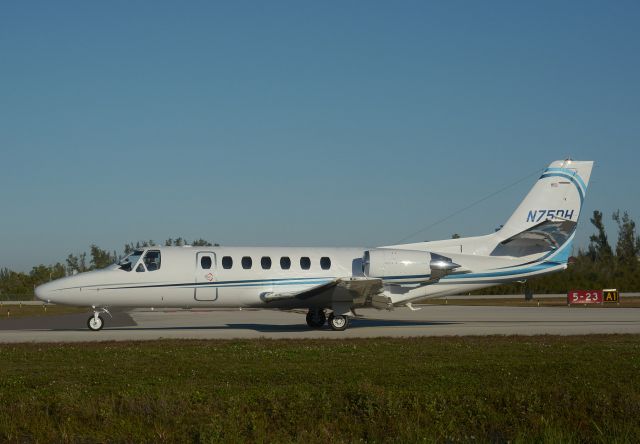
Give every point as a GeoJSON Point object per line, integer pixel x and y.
{"type": "Point", "coordinates": [339, 322]}
{"type": "Point", "coordinates": [316, 319]}
{"type": "Point", "coordinates": [95, 326]}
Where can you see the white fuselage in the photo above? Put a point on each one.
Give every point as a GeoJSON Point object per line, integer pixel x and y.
{"type": "Point", "coordinates": [182, 282]}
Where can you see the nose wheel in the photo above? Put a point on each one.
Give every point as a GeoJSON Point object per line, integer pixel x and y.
{"type": "Point", "coordinates": [95, 323]}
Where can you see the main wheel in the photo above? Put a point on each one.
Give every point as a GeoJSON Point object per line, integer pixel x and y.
{"type": "Point", "coordinates": [338, 323]}
{"type": "Point", "coordinates": [95, 323]}
{"type": "Point", "coordinates": [316, 318]}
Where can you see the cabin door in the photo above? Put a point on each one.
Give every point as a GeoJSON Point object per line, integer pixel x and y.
{"type": "Point", "coordinates": [205, 288]}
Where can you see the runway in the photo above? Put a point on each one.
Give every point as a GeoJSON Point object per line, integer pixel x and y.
{"type": "Point", "coordinates": [144, 324]}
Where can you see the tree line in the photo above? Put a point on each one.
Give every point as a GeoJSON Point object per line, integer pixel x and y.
{"type": "Point", "coordinates": [14, 283]}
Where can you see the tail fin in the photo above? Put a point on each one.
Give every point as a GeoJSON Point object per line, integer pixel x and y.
{"type": "Point", "coordinates": [557, 196]}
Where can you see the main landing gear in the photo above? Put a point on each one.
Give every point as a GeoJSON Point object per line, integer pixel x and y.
{"type": "Point", "coordinates": [95, 322]}
{"type": "Point", "coordinates": [317, 317]}
{"type": "Point", "coordinates": [338, 322]}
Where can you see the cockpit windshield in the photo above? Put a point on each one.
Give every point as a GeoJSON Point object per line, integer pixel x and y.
{"type": "Point", "coordinates": [130, 260]}
{"type": "Point", "coordinates": [152, 260]}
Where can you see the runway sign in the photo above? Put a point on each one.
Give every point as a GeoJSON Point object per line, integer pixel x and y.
{"type": "Point", "coordinates": [584, 297]}
{"type": "Point", "coordinates": [611, 295]}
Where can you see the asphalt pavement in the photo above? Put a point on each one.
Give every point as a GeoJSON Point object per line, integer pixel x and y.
{"type": "Point", "coordinates": [146, 324]}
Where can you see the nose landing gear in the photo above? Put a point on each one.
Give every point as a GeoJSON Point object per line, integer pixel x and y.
{"type": "Point", "coordinates": [95, 322]}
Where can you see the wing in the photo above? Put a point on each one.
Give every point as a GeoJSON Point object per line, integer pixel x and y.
{"type": "Point", "coordinates": [301, 295]}
{"type": "Point", "coordinates": [353, 290]}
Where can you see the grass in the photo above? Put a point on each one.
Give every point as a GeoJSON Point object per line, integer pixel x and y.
{"type": "Point", "coordinates": [486, 389]}
{"type": "Point", "coordinates": [19, 311]}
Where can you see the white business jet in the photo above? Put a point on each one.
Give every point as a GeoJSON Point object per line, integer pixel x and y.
{"type": "Point", "coordinates": [332, 282]}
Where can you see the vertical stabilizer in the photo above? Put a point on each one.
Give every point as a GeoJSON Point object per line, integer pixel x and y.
{"type": "Point", "coordinates": [557, 195]}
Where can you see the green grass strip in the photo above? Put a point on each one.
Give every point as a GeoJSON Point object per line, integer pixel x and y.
{"type": "Point", "coordinates": [484, 389]}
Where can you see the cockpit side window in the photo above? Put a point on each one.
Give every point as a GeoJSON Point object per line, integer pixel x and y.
{"type": "Point", "coordinates": [129, 261]}
{"type": "Point", "coordinates": [152, 260]}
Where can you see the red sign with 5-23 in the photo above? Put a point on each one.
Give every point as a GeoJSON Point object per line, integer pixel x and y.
{"type": "Point", "coordinates": [584, 297]}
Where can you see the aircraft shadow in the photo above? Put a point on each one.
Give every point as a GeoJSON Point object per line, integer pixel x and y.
{"type": "Point", "coordinates": [275, 328]}
{"type": "Point", "coordinates": [353, 324]}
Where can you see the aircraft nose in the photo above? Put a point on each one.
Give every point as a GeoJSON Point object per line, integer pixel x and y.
{"type": "Point", "coordinates": [43, 292]}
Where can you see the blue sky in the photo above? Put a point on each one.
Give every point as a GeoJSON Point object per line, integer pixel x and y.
{"type": "Point", "coordinates": [303, 123]}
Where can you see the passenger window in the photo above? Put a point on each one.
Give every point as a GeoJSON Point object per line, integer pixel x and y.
{"type": "Point", "coordinates": [227, 262]}
{"type": "Point", "coordinates": [246, 262]}
{"type": "Point", "coordinates": [265, 262]}
{"type": "Point", "coordinates": [325, 263]}
{"type": "Point", "coordinates": [205, 262]}
{"type": "Point", "coordinates": [140, 268]}
{"type": "Point", "coordinates": [152, 260]}
{"type": "Point", "coordinates": [305, 263]}
{"type": "Point", "coordinates": [285, 263]}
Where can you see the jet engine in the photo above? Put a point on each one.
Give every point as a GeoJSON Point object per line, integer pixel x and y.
{"type": "Point", "coordinates": [407, 264]}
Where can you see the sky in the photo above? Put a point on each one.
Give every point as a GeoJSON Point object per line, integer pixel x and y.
{"type": "Point", "coordinates": [353, 123]}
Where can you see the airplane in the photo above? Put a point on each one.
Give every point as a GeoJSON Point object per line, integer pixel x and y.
{"type": "Point", "coordinates": [332, 283]}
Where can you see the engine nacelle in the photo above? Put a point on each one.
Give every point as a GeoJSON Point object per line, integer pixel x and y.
{"type": "Point", "coordinates": [406, 264]}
